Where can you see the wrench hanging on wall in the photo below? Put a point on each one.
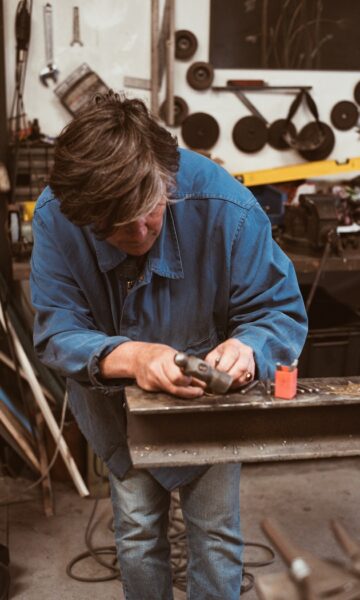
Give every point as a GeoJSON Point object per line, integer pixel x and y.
{"type": "Point", "coordinates": [50, 71]}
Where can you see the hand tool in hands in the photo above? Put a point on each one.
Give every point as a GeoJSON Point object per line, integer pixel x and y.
{"type": "Point", "coordinates": [218, 382]}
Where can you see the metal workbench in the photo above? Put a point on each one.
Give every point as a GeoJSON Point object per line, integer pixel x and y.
{"type": "Point", "coordinates": [164, 430]}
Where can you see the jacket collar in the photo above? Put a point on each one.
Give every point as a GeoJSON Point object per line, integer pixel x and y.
{"type": "Point", "coordinates": [164, 257]}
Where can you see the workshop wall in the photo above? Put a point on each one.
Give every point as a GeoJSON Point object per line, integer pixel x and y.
{"type": "Point", "coordinates": [116, 37]}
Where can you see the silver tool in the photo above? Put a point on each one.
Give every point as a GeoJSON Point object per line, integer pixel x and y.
{"type": "Point", "coordinates": [50, 71]}
{"type": "Point", "coordinates": [249, 386]}
{"type": "Point", "coordinates": [76, 27]}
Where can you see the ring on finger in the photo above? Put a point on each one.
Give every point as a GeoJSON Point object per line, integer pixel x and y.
{"type": "Point", "coordinates": [248, 376]}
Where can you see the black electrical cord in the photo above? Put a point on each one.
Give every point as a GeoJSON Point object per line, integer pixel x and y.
{"type": "Point", "coordinates": [321, 267]}
{"type": "Point", "coordinates": [95, 552]}
{"type": "Point", "coordinates": [259, 563]}
{"type": "Point", "coordinates": [177, 539]}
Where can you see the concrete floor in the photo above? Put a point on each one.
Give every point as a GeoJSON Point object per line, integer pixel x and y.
{"type": "Point", "coordinates": [301, 496]}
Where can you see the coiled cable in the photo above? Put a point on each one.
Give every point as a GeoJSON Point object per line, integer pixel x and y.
{"type": "Point", "coordinates": [178, 544]}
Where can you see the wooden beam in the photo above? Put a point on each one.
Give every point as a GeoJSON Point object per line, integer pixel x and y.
{"type": "Point", "coordinates": [45, 409]}
{"type": "Point", "coordinates": [170, 63]}
{"type": "Point", "coordinates": [155, 58]}
{"type": "Point", "coordinates": [9, 363]}
{"type": "Point", "coordinates": [20, 436]}
{"type": "Point", "coordinates": [48, 500]}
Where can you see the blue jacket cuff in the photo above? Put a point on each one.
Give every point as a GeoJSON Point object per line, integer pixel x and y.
{"type": "Point", "coordinates": [108, 386]}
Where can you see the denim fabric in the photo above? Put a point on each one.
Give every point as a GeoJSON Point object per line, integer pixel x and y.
{"type": "Point", "coordinates": [213, 273]}
{"type": "Point", "coordinates": [210, 506]}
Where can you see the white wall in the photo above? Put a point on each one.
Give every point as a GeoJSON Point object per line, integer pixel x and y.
{"type": "Point", "coordinates": [116, 36]}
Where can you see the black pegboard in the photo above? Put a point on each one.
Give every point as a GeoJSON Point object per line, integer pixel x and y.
{"type": "Point", "coordinates": [299, 34]}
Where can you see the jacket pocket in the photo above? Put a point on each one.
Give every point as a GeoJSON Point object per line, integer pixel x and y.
{"type": "Point", "coordinates": [202, 346]}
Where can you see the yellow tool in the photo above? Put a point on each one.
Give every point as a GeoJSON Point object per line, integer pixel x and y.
{"type": "Point", "coordinates": [301, 171]}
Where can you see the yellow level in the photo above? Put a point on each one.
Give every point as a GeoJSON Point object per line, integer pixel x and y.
{"type": "Point", "coordinates": [301, 171]}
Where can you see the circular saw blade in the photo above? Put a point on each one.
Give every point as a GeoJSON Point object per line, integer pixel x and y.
{"type": "Point", "coordinates": [200, 131]}
{"type": "Point", "coordinates": [250, 134]}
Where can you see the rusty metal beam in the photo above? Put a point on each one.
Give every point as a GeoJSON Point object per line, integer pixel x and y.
{"type": "Point", "coordinates": [167, 431]}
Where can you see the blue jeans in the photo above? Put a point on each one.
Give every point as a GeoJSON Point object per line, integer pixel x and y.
{"type": "Point", "coordinates": [211, 511]}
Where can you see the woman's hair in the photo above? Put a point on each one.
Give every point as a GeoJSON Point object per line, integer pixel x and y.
{"type": "Point", "coordinates": [113, 163]}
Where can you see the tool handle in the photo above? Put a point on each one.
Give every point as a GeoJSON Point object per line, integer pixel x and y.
{"type": "Point", "coordinates": [193, 366]}
{"type": "Point", "coordinates": [48, 34]}
{"type": "Point", "coordinates": [22, 27]}
{"type": "Point", "coordinates": [285, 547]}
{"type": "Point", "coordinates": [349, 545]}
{"type": "Point", "coordinates": [246, 82]}
{"type": "Point", "coordinates": [217, 381]}
{"type": "Point", "coordinates": [76, 23]}
{"type": "Point", "coordinates": [76, 27]}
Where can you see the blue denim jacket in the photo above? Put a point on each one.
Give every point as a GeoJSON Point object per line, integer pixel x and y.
{"type": "Point", "coordinates": [213, 273]}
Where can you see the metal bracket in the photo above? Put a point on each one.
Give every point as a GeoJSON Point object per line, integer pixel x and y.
{"type": "Point", "coordinates": [162, 59]}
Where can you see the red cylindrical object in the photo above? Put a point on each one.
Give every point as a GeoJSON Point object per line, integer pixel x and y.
{"type": "Point", "coordinates": [285, 382]}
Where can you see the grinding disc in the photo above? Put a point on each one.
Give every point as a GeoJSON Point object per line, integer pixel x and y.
{"type": "Point", "coordinates": [344, 115]}
{"type": "Point", "coordinates": [200, 131]}
{"type": "Point", "coordinates": [181, 110]}
{"type": "Point", "coordinates": [200, 75]}
{"type": "Point", "coordinates": [276, 133]}
{"type": "Point", "coordinates": [185, 44]}
{"type": "Point", "coordinates": [357, 93]}
{"type": "Point", "coordinates": [312, 132]}
{"type": "Point", "coordinates": [250, 134]}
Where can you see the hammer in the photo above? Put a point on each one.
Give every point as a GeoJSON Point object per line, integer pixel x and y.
{"type": "Point", "coordinates": [217, 381]}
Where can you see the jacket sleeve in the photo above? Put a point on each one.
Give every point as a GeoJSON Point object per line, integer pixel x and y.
{"type": "Point", "coordinates": [266, 308]}
{"type": "Point", "coordinates": [66, 336]}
